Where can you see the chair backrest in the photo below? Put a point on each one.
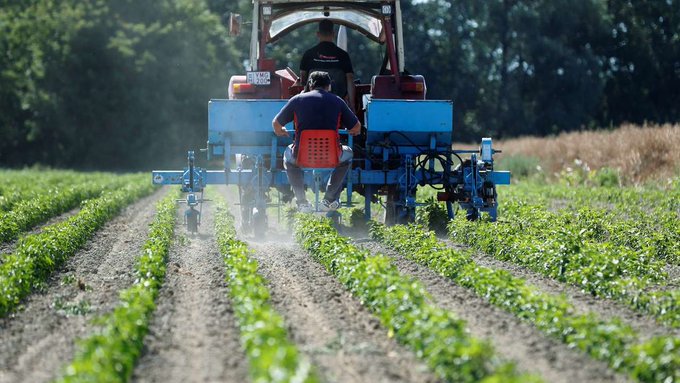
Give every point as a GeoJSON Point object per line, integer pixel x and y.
{"type": "Point", "coordinates": [318, 149]}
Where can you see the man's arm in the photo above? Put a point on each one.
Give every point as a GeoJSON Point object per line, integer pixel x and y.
{"type": "Point", "coordinates": [351, 91]}
{"type": "Point", "coordinates": [356, 129]}
{"type": "Point", "coordinates": [303, 77]}
{"type": "Point", "coordinates": [284, 116]}
{"type": "Point", "coordinates": [348, 118]}
{"type": "Point", "coordinates": [279, 129]}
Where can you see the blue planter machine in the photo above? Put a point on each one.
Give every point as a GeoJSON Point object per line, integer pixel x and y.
{"type": "Point", "coordinates": [405, 144]}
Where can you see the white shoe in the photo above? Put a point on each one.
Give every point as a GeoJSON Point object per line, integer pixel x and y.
{"type": "Point", "coordinates": [330, 206]}
{"type": "Point", "coordinates": [305, 207]}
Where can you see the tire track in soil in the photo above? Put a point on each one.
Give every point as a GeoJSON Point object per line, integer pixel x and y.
{"type": "Point", "coordinates": [344, 341]}
{"type": "Point", "coordinates": [37, 341]}
{"type": "Point", "coordinates": [583, 303]}
{"type": "Point", "coordinates": [193, 336]}
{"type": "Point", "coordinates": [513, 339]}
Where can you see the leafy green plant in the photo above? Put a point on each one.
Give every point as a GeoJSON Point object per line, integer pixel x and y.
{"type": "Point", "coordinates": [110, 353]}
{"type": "Point", "coordinates": [272, 357]}
{"type": "Point", "coordinates": [611, 341]}
{"type": "Point", "coordinates": [30, 212]}
{"type": "Point", "coordinates": [402, 305]}
{"type": "Point", "coordinates": [559, 249]}
{"type": "Point", "coordinates": [37, 256]}
{"type": "Point", "coordinates": [23, 185]}
{"type": "Point", "coordinates": [83, 307]}
{"type": "Point", "coordinates": [433, 216]}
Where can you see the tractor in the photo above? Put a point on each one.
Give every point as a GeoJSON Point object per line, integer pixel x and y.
{"type": "Point", "coordinates": [406, 139]}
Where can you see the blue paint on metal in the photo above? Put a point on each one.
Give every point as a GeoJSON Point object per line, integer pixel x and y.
{"type": "Point", "coordinates": [416, 119]}
{"type": "Point", "coordinates": [500, 177]}
{"type": "Point", "coordinates": [399, 133]}
{"type": "Point", "coordinates": [247, 124]}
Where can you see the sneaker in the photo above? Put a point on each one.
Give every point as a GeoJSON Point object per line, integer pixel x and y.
{"type": "Point", "coordinates": [305, 207]}
{"type": "Point", "coordinates": [330, 206]}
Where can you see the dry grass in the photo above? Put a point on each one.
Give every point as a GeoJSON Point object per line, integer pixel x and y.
{"type": "Point", "coordinates": [639, 154]}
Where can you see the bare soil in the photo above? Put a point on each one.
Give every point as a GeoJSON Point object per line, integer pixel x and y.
{"type": "Point", "coordinates": [340, 337]}
{"type": "Point", "coordinates": [512, 339]}
{"type": "Point", "coordinates": [39, 339]}
{"type": "Point", "coordinates": [193, 336]}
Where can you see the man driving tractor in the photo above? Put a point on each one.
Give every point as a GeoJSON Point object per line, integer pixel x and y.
{"type": "Point", "coordinates": [328, 57]}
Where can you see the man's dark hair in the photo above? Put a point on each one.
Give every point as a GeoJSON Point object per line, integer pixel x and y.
{"type": "Point", "coordinates": [318, 79]}
{"type": "Point", "coordinates": [326, 27]}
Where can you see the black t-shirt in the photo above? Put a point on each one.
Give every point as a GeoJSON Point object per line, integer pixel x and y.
{"type": "Point", "coordinates": [316, 109]}
{"type": "Point", "coordinates": [328, 57]}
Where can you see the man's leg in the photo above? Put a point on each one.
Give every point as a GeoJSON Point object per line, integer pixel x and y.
{"type": "Point", "coordinates": [295, 176]}
{"type": "Point", "coordinates": [334, 187]}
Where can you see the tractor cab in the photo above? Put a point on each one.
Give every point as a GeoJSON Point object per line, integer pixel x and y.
{"type": "Point", "coordinates": [377, 20]}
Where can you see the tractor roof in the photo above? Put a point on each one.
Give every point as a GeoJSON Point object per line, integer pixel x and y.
{"type": "Point", "coordinates": [362, 15]}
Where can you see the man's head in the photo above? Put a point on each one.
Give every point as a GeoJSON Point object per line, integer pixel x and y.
{"type": "Point", "coordinates": [319, 80]}
{"type": "Point", "coordinates": [325, 29]}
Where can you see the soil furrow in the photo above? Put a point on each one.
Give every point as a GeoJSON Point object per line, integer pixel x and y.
{"type": "Point", "coordinates": [583, 303]}
{"type": "Point", "coordinates": [38, 340]}
{"type": "Point", "coordinates": [193, 336]}
{"type": "Point", "coordinates": [513, 339]}
{"type": "Point", "coordinates": [344, 340]}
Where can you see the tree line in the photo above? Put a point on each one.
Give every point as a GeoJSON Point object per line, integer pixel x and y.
{"type": "Point", "coordinates": [104, 84]}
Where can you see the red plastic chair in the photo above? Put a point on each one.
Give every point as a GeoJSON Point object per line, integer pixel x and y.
{"type": "Point", "coordinates": [318, 149]}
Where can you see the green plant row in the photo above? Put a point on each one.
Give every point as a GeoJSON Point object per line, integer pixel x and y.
{"type": "Point", "coordinates": [649, 217]}
{"type": "Point", "coordinates": [631, 224]}
{"type": "Point", "coordinates": [624, 198]}
{"type": "Point", "coordinates": [30, 212]}
{"type": "Point", "coordinates": [272, 357]}
{"type": "Point", "coordinates": [561, 253]}
{"type": "Point", "coordinates": [657, 360]}
{"type": "Point", "coordinates": [20, 185]}
{"type": "Point", "coordinates": [36, 256]}
{"type": "Point", "coordinates": [648, 237]}
{"type": "Point", "coordinates": [404, 307]}
{"type": "Point", "coordinates": [109, 354]}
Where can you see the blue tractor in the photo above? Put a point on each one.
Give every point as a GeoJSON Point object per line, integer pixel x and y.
{"type": "Point", "coordinates": [406, 141]}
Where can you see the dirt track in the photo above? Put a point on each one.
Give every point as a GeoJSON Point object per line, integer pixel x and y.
{"type": "Point", "coordinates": [341, 338]}
{"type": "Point", "coordinates": [36, 342]}
{"type": "Point", "coordinates": [512, 339]}
{"type": "Point", "coordinates": [193, 336]}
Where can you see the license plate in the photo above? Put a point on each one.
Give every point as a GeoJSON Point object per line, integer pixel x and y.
{"type": "Point", "coordinates": [259, 78]}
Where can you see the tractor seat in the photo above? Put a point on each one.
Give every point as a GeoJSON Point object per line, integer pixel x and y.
{"type": "Point", "coordinates": [318, 149]}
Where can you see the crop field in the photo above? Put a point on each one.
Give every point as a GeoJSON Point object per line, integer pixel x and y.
{"type": "Point", "coordinates": [101, 282]}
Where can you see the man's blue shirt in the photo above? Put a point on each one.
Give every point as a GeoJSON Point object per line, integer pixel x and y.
{"type": "Point", "coordinates": [317, 109]}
